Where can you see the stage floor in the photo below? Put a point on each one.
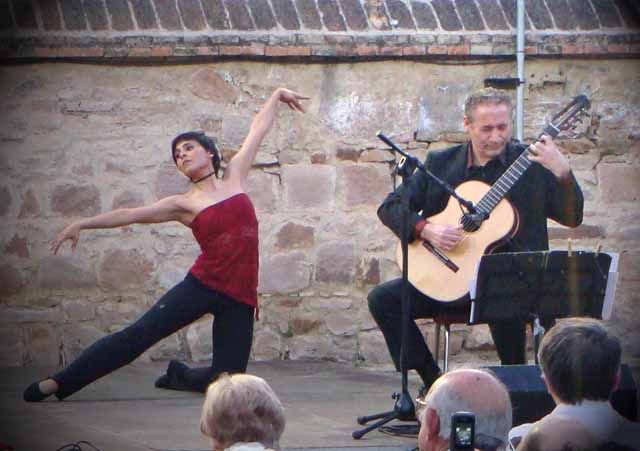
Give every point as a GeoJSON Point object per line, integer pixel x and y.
{"type": "Point", "coordinates": [124, 411]}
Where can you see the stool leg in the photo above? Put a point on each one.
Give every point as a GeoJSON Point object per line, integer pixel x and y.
{"type": "Point", "coordinates": [437, 343]}
{"type": "Point", "coordinates": [447, 329]}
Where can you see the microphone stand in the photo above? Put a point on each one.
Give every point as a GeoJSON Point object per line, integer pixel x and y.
{"type": "Point", "coordinates": [404, 408]}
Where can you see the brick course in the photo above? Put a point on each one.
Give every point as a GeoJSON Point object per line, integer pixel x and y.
{"type": "Point", "coordinates": [47, 29]}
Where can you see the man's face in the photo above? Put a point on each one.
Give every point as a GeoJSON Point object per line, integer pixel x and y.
{"type": "Point", "coordinates": [489, 128]}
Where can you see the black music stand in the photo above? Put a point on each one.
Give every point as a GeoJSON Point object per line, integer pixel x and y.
{"type": "Point", "coordinates": [551, 284]}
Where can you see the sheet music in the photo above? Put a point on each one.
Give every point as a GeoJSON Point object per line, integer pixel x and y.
{"type": "Point", "coordinates": [612, 282]}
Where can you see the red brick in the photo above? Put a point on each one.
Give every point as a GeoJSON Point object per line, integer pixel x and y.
{"type": "Point", "coordinates": [253, 49]}
{"type": "Point", "coordinates": [45, 52]}
{"type": "Point", "coordinates": [140, 51]}
{"type": "Point", "coordinates": [162, 51]}
{"type": "Point", "coordinates": [414, 50]}
{"type": "Point", "coordinates": [287, 51]}
{"type": "Point", "coordinates": [366, 50]}
{"type": "Point", "coordinates": [397, 50]}
{"type": "Point", "coordinates": [212, 50]}
{"type": "Point", "coordinates": [571, 49]}
{"type": "Point", "coordinates": [437, 50]}
{"type": "Point", "coordinates": [458, 49]}
{"type": "Point", "coordinates": [75, 52]}
{"type": "Point", "coordinates": [617, 48]}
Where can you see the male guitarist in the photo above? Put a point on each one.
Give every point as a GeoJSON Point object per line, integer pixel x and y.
{"type": "Point", "coordinates": [548, 189]}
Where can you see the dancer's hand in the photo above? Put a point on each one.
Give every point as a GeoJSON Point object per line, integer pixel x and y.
{"type": "Point", "coordinates": [71, 232]}
{"type": "Point", "coordinates": [292, 99]}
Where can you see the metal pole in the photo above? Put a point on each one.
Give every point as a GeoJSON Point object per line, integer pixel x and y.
{"type": "Point", "coordinates": [520, 62]}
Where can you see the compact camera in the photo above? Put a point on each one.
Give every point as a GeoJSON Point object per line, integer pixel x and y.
{"type": "Point", "coordinates": [462, 431]}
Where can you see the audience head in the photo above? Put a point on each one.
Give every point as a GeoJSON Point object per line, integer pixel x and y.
{"type": "Point", "coordinates": [559, 434]}
{"type": "Point", "coordinates": [580, 360]}
{"type": "Point", "coordinates": [470, 390]}
{"type": "Point", "coordinates": [242, 408]}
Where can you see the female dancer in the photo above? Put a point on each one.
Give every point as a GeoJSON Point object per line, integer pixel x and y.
{"type": "Point", "coordinates": [223, 281]}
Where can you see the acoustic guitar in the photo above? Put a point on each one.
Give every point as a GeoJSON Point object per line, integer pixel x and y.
{"type": "Point", "coordinates": [445, 275]}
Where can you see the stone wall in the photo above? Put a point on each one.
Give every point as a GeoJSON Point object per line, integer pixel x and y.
{"type": "Point", "coordinates": [79, 139]}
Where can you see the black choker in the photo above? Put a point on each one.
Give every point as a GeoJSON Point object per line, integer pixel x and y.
{"type": "Point", "coordinates": [203, 178]}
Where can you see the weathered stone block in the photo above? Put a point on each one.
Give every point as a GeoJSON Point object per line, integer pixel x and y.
{"type": "Point", "coordinates": [128, 199]}
{"type": "Point", "coordinates": [121, 270]}
{"type": "Point", "coordinates": [75, 200]}
{"type": "Point", "coordinates": [64, 272]}
{"type": "Point", "coordinates": [5, 201]}
{"type": "Point", "coordinates": [619, 183]}
{"type": "Point", "coordinates": [169, 181]}
{"type": "Point", "coordinates": [335, 263]}
{"type": "Point", "coordinates": [284, 273]}
{"type": "Point", "coordinates": [368, 272]}
{"type": "Point", "coordinates": [30, 208]}
{"type": "Point", "coordinates": [43, 345]}
{"type": "Point", "coordinates": [479, 338]}
{"type": "Point", "coordinates": [79, 310]}
{"type": "Point", "coordinates": [266, 345]}
{"type": "Point", "coordinates": [76, 338]}
{"type": "Point", "coordinates": [11, 280]}
{"type": "Point", "coordinates": [199, 340]}
{"type": "Point", "coordinates": [372, 348]}
{"type": "Point", "coordinates": [365, 184]}
{"type": "Point", "coordinates": [309, 186]}
{"type": "Point", "coordinates": [263, 190]}
{"type": "Point", "coordinates": [294, 236]}
{"type": "Point", "coordinates": [114, 316]}
{"type": "Point", "coordinates": [12, 348]}
{"type": "Point", "coordinates": [309, 347]}
{"type": "Point", "coordinates": [210, 85]}
{"type": "Point", "coordinates": [341, 323]}
{"type": "Point", "coordinates": [18, 247]}
{"type": "Point", "coordinates": [27, 315]}
{"type": "Point", "coordinates": [300, 325]}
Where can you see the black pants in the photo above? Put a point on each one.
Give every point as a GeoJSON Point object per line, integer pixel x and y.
{"type": "Point", "coordinates": [386, 308]}
{"type": "Point", "coordinates": [179, 307]}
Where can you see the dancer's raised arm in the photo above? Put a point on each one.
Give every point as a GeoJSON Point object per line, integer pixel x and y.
{"type": "Point", "coordinates": [240, 164]}
{"type": "Point", "coordinates": [165, 210]}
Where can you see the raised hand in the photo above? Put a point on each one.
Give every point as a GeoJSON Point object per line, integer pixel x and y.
{"type": "Point", "coordinates": [71, 232]}
{"type": "Point", "coordinates": [292, 99]}
{"type": "Point", "coordinates": [545, 152]}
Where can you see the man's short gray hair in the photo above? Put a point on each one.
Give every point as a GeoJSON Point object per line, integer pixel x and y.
{"type": "Point", "coordinates": [486, 96]}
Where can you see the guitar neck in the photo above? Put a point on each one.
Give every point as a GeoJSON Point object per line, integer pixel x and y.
{"type": "Point", "coordinates": [505, 182]}
{"type": "Point", "coordinates": [512, 175]}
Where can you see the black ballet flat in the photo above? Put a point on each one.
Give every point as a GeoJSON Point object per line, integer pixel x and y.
{"type": "Point", "coordinates": [33, 393]}
{"type": "Point", "coordinates": [174, 378]}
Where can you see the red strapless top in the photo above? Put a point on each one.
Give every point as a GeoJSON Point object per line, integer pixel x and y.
{"type": "Point", "coordinates": [227, 233]}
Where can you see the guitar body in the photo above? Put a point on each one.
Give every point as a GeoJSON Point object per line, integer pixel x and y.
{"type": "Point", "coordinates": [430, 275]}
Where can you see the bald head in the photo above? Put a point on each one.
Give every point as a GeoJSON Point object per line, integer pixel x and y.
{"type": "Point", "coordinates": [473, 391]}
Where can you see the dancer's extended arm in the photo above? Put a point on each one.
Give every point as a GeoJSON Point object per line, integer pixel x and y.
{"type": "Point", "coordinates": [240, 164]}
{"type": "Point", "coordinates": [165, 210]}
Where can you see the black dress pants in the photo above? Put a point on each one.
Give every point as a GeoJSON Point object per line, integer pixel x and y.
{"type": "Point", "coordinates": [186, 302]}
{"type": "Point", "coordinates": [386, 308]}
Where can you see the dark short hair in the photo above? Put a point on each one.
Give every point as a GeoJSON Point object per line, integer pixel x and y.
{"type": "Point", "coordinates": [580, 360]}
{"type": "Point", "coordinates": [204, 140]}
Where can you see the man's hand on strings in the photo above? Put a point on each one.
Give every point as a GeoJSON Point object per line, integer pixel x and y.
{"type": "Point", "coordinates": [442, 236]}
{"type": "Point", "coordinates": [545, 152]}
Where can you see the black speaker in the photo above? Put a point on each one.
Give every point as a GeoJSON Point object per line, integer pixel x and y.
{"type": "Point", "coordinates": [531, 401]}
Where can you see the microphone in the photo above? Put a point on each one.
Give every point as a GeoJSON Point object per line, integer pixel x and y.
{"type": "Point", "coordinates": [388, 142]}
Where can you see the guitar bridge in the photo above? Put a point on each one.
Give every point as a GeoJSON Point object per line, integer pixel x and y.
{"type": "Point", "coordinates": [441, 256]}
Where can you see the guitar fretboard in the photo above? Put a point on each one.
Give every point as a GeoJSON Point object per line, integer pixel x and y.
{"type": "Point", "coordinates": [505, 182]}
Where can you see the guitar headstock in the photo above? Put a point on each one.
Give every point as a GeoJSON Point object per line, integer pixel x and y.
{"type": "Point", "coordinates": [569, 116]}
